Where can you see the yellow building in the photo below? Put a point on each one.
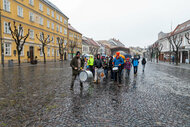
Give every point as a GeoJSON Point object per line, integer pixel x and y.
{"type": "Point", "coordinates": [74, 41]}
{"type": "Point", "coordinates": [38, 16]}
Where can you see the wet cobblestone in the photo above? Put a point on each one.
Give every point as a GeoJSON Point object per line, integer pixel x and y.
{"type": "Point", "coordinates": [40, 96]}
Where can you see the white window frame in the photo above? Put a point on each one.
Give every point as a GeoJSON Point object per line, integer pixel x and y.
{"type": "Point", "coordinates": [6, 28]}
{"type": "Point", "coordinates": [31, 16]}
{"type": "Point", "coordinates": [10, 49]}
{"type": "Point", "coordinates": [52, 51]}
{"type": "Point", "coordinates": [31, 2]}
{"type": "Point", "coordinates": [48, 24]}
{"type": "Point", "coordinates": [65, 31]}
{"type": "Point", "coordinates": [57, 42]}
{"type": "Point", "coordinates": [41, 6]}
{"type": "Point", "coordinates": [48, 11]}
{"type": "Point", "coordinates": [60, 29]}
{"type": "Point", "coordinates": [52, 14]}
{"type": "Point", "coordinates": [41, 53]}
{"type": "Point", "coordinates": [31, 35]}
{"type": "Point", "coordinates": [57, 52]}
{"type": "Point", "coordinates": [52, 39]}
{"type": "Point", "coordinates": [6, 5]}
{"type": "Point", "coordinates": [57, 28]}
{"type": "Point", "coordinates": [20, 11]}
{"type": "Point", "coordinates": [61, 19]}
{"type": "Point", "coordinates": [57, 16]}
{"type": "Point", "coordinates": [48, 51]}
{"type": "Point", "coordinates": [22, 52]}
{"type": "Point", "coordinates": [65, 21]}
{"type": "Point", "coordinates": [41, 21]}
{"type": "Point", "coordinates": [52, 26]}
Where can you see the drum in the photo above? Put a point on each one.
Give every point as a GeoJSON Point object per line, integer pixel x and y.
{"type": "Point", "coordinates": [115, 69]}
{"type": "Point", "coordinates": [86, 76]}
{"type": "Point", "coordinates": [100, 73]}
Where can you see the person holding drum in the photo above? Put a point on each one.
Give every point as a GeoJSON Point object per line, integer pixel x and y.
{"type": "Point", "coordinates": [77, 65]}
{"type": "Point", "coordinates": [118, 62]}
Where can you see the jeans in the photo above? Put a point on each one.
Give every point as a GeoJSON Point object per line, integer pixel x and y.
{"type": "Point", "coordinates": [106, 72]}
{"type": "Point", "coordinates": [135, 69]}
{"type": "Point", "coordinates": [143, 67]}
{"type": "Point", "coordinates": [119, 75]}
{"type": "Point", "coordinates": [127, 72]}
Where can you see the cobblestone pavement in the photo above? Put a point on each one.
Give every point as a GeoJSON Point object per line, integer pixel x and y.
{"type": "Point", "coordinates": [40, 96]}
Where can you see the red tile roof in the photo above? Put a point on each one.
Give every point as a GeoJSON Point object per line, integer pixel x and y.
{"type": "Point", "coordinates": [182, 27]}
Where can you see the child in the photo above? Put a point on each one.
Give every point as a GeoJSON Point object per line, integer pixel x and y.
{"type": "Point", "coordinates": [127, 67]}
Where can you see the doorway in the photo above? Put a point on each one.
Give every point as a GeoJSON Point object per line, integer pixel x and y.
{"type": "Point", "coordinates": [31, 50]}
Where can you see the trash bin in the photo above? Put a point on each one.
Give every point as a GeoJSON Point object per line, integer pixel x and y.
{"type": "Point", "coordinates": [10, 63]}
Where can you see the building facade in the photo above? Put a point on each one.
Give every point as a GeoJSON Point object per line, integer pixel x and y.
{"type": "Point", "coordinates": [75, 41]}
{"type": "Point", "coordinates": [38, 16]}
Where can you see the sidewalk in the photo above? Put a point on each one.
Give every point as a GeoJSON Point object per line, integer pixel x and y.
{"type": "Point", "coordinates": [29, 64]}
{"type": "Point", "coordinates": [181, 65]}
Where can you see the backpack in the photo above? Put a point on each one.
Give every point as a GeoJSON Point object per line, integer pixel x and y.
{"type": "Point", "coordinates": [135, 63]}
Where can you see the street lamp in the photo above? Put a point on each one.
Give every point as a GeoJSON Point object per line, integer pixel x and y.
{"type": "Point", "coordinates": [2, 46]}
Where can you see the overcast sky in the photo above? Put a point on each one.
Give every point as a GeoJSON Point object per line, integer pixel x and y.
{"type": "Point", "coordinates": [133, 22]}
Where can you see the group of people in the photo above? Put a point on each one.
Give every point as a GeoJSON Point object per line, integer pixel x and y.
{"type": "Point", "coordinates": [117, 66]}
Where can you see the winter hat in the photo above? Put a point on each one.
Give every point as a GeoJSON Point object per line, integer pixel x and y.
{"type": "Point", "coordinates": [78, 53]}
{"type": "Point", "coordinates": [117, 53]}
{"type": "Point", "coordinates": [127, 59]}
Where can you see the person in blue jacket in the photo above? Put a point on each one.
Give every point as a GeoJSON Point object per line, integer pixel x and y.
{"type": "Point", "coordinates": [118, 62]}
{"type": "Point", "coordinates": [135, 63]}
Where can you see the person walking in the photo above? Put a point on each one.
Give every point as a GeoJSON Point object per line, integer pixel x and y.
{"type": "Point", "coordinates": [97, 65]}
{"type": "Point", "coordinates": [127, 67]}
{"type": "Point", "coordinates": [117, 62]}
{"type": "Point", "coordinates": [111, 66]}
{"type": "Point", "coordinates": [143, 63]}
{"type": "Point", "coordinates": [135, 65]}
{"type": "Point", "coordinates": [90, 64]}
{"type": "Point", "coordinates": [77, 64]}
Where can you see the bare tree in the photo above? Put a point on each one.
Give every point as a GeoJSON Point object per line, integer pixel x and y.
{"type": "Point", "coordinates": [151, 52]}
{"type": "Point", "coordinates": [73, 45]}
{"type": "Point", "coordinates": [61, 47]}
{"type": "Point", "coordinates": [157, 49]}
{"type": "Point", "coordinates": [93, 50]}
{"type": "Point", "coordinates": [175, 42]}
{"type": "Point", "coordinates": [17, 35]}
{"type": "Point", "coordinates": [44, 41]}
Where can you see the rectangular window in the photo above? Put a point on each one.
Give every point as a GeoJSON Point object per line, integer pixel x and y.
{"type": "Point", "coordinates": [20, 11]}
{"type": "Point", "coordinates": [41, 36]}
{"type": "Point", "coordinates": [22, 30]}
{"type": "Point", "coordinates": [52, 52]}
{"type": "Point", "coordinates": [65, 21]}
{"type": "Point", "coordinates": [31, 2]}
{"type": "Point", "coordinates": [57, 52]}
{"type": "Point", "coordinates": [57, 28]}
{"type": "Point", "coordinates": [48, 11]}
{"type": "Point", "coordinates": [65, 31]}
{"type": "Point", "coordinates": [57, 16]}
{"type": "Point", "coordinates": [60, 29]}
{"type": "Point", "coordinates": [31, 14]}
{"type": "Point", "coordinates": [6, 28]}
{"type": "Point", "coordinates": [48, 40]}
{"type": "Point", "coordinates": [48, 24]}
{"type": "Point", "coordinates": [52, 14]}
{"type": "Point", "coordinates": [6, 5]}
{"type": "Point", "coordinates": [41, 21]}
{"type": "Point", "coordinates": [65, 42]}
{"type": "Point", "coordinates": [61, 20]}
{"type": "Point", "coordinates": [41, 53]}
{"type": "Point", "coordinates": [52, 39]}
{"type": "Point", "coordinates": [52, 26]}
{"type": "Point", "coordinates": [7, 49]}
{"type": "Point", "coordinates": [57, 41]}
{"type": "Point", "coordinates": [22, 52]}
{"type": "Point", "coordinates": [41, 7]}
{"type": "Point", "coordinates": [48, 52]}
{"type": "Point", "coordinates": [31, 34]}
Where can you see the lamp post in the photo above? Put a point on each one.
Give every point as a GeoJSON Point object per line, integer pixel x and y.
{"type": "Point", "coordinates": [2, 45]}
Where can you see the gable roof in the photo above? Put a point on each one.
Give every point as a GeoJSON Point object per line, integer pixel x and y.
{"type": "Point", "coordinates": [90, 41]}
{"type": "Point", "coordinates": [72, 28]}
{"type": "Point", "coordinates": [182, 27]}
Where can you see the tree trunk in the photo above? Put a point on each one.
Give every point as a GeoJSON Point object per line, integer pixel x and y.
{"type": "Point", "coordinates": [44, 58]}
{"type": "Point", "coordinates": [18, 57]}
{"type": "Point", "coordinates": [177, 60]}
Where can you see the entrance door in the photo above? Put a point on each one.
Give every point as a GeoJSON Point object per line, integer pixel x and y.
{"type": "Point", "coordinates": [184, 56]}
{"type": "Point", "coordinates": [31, 50]}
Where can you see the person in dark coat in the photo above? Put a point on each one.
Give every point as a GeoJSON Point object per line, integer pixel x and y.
{"type": "Point", "coordinates": [97, 65]}
{"type": "Point", "coordinates": [111, 66]}
{"type": "Point", "coordinates": [77, 65]}
{"type": "Point", "coordinates": [143, 63]}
